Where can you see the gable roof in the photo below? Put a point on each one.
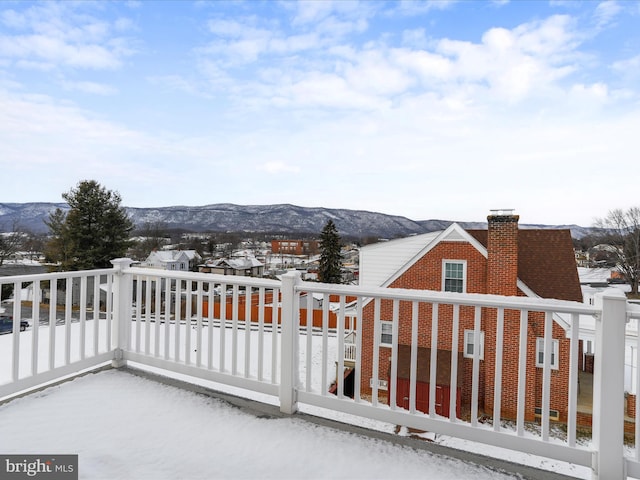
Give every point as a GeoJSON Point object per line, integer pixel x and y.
{"type": "Point", "coordinates": [399, 255]}
{"type": "Point", "coordinates": [546, 262]}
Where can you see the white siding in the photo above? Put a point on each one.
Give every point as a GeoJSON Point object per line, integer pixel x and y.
{"type": "Point", "coordinates": [378, 262]}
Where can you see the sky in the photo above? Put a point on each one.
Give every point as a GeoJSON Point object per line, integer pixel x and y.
{"type": "Point", "coordinates": [424, 109]}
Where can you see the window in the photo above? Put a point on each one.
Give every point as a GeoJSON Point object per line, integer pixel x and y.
{"type": "Point", "coordinates": [382, 384]}
{"type": "Point", "coordinates": [540, 353]}
{"type": "Point", "coordinates": [469, 345]}
{"type": "Point", "coordinates": [453, 275]}
{"type": "Point", "coordinates": [386, 333]}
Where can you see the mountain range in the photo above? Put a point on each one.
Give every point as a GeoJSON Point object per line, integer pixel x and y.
{"type": "Point", "coordinates": [281, 218]}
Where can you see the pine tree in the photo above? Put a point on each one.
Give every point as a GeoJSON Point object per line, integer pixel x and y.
{"type": "Point", "coordinates": [330, 261]}
{"type": "Point", "coordinates": [94, 231]}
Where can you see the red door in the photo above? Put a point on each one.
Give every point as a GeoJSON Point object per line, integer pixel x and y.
{"type": "Point", "coordinates": [442, 399]}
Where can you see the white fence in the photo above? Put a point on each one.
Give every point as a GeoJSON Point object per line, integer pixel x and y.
{"type": "Point", "coordinates": [250, 333]}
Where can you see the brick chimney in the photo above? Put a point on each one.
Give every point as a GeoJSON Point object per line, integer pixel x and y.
{"type": "Point", "coordinates": [502, 253]}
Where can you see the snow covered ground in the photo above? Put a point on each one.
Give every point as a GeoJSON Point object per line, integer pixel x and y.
{"type": "Point", "coordinates": [127, 427]}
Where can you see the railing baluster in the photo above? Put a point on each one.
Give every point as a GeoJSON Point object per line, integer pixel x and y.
{"type": "Point", "coordinates": [83, 315]}
{"type": "Point", "coordinates": [572, 407]}
{"type": "Point", "coordinates": [147, 315]}
{"type": "Point", "coordinates": [522, 372]}
{"type": "Point", "coordinates": [199, 288]}
{"type": "Point", "coordinates": [187, 322]}
{"type": "Point", "coordinates": [376, 351]}
{"type": "Point", "coordinates": [17, 305]}
{"type": "Point", "coordinates": [393, 383]}
{"type": "Point", "coordinates": [358, 367]}
{"type": "Point", "coordinates": [177, 323]}
{"type": "Point", "coordinates": [433, 361]}
{"type": "Point", "coordinates": [261, 307]}
{"type": "Point", "coordinates": [413, 375]}
{"type": "Point", "coordinates": [138, 315]}
{"type": "Point", "coordinates": [475, 382]}
{"type": "Point", "coordinates": [234, 330]}
{"type": "Point", "coordinates": [546, 374]}
{"type": "Point", "coordinates": [35, 315]}
{"type": "Point", "coordinates": [53, 305]}
{"type": "Point", "coordinates": [210, 309]}
{"type": "Point", "coordinates": [274, 336]}
{"type": "Point", "coordinates": [324, 384]}
{"type": "Point", "coordinates": [168, 300]}
{"type": "Point", "coordinates": [309, 340]}
{"type": "Point", "coordinates": [109, 311]}
{"type": "Point", "coordinates": [340, 372]}
{"type": "Point", "coordinates": [247, 331]}
{"type": "Point", "coordinates": [157, 317]}
{"type": "Point", "coordinates": [497, 388]}
{"type": "Point", "coordinates": [455, 331]}
{"type": "Point", "coordinates": [96, 314]}
{"type": "Point", "coordinates": [223, 324]}
{"type": "Point", "coordinates": [67, 320]}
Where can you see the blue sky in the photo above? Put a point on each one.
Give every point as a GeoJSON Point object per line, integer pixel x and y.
{"type": "Point", "coordinates": [423, 109]}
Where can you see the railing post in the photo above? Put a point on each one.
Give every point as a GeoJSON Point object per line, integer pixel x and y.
{"type": "Point", "coordinates": [608, 387]}
{"type": "Point", "coordinates": [122, 286]}
{"type": "Point", "coordinates": [289, 343]}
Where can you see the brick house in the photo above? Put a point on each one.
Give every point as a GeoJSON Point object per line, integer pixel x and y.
{"type": "Point", "coordinates": [502, 260]}
{"type": "Point", "coordinates": [295, 247]}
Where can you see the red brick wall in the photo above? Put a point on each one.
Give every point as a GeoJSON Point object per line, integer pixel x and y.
{"type": "Point", "coordinates": [502, 255]}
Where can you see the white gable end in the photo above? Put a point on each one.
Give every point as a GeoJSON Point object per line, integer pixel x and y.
{"type": "Point", "coordinates": [380, 261]}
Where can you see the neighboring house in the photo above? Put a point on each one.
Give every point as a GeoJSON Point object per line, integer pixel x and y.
{"type": "Point", "coordinates": [180, 260]}
{"type": "Point", "coordinates": [295, 247]}
{"type": "Point", "coordinates": [248, 267]}
{"type": "Point", "coordinates": [502, 260]}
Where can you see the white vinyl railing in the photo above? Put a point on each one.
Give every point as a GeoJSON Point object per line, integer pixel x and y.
{"type": "Point", "coordinates": [250, 333]}
{"type": "Point", "coordinates": [70, 318]}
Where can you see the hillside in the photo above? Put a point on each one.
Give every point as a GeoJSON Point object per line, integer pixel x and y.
{"type": "Point", "coordinates": [282, 218]}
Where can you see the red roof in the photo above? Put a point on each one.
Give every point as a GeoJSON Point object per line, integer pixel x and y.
{"type": "Point", "coordinates": [546, 262]}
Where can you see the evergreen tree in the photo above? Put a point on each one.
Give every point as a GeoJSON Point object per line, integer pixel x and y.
{"type": "Point", "coordinates": [330, 261]}
{"type": "Point", "coordinates": [94, 231]}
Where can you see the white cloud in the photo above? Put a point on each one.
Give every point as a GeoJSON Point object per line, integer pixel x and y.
{"type": "Point", "coordinates": [58, 34]}
{"type": "Point", "coordinates": [605, 12]}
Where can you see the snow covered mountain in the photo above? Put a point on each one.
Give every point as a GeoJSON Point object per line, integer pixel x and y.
{"type": "Point", "coordinates": [226, 217]}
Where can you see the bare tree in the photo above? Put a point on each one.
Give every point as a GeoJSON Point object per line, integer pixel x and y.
{"type": "Point", "coordinates": [10, 243]}
{"type": "Point", "coordinates": [621, 230]}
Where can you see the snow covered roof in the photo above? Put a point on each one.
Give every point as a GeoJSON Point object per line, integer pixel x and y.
{"type": "Point", "coordinates": [166, 256]}
{"type": "Point", "coordinates": [238, 263]}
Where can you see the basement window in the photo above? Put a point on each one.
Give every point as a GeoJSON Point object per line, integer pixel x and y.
{"type": "Point", "coordinates": [540, 353]}
{"type": "Point", "coordinates": [553, 414]}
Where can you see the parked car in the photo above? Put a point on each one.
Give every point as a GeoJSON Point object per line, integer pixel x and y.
{"type": "Point", "coordinates": [6, 324]}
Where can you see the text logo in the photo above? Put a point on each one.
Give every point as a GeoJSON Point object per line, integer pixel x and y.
{"type": "Point", "coordinates": [50, 467]}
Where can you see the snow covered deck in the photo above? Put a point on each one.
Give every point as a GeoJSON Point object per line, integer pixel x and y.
{"type": "Point", "coordinates": [126, 426]}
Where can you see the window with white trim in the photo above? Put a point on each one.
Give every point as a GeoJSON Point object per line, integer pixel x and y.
{"type": "Point", "coordinates": [469, 346]}
{"type": "Point", "coordinates": [386, 333]}
{"type": "Point", "coordinates": [555, 345]}
{"type": "Point", "coordinates": [454, 275]}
